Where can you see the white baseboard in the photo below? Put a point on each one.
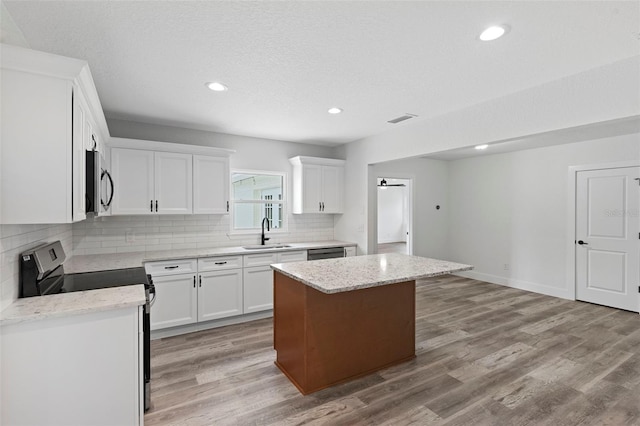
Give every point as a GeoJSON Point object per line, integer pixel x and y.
{"type": "Point", "coordinates": [190, 328]}
{"type": "Point", "coordinates": [519, 284]}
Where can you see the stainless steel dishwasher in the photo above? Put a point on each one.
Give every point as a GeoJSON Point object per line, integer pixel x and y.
{"type": "Point", "coordinates": [325, 253]}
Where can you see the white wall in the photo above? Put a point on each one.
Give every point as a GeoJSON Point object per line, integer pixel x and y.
{"type": "Point", "coordinates": [599, 95]}
{"type": "Point", "coordinates": [391, 214]}
{"type": "Point", "coordinates": [429, 189]}
{"type": "Point", "coordinates": [512, 209]}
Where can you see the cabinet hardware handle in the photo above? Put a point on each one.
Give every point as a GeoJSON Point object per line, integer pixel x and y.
{"type": "Point", "coordinates": [171, 267]}
{"type": "Point", "coordinates": [220, 263]}
{"type": "Point", "coordinates": [582, 243]}
{"type": "Point", "coordinates": [194, 281]}
{"type": "Point", "coordinates": [200, 280]}
{"type": "Point", "coordinates": [323, 206]}
{"type": "Point", "coordinates": [319, 206]}
{"type": "Point", "coordinates": [151, 205]}
{"type": "Point", "coordinates": [156, 206]}
{"type": "Point", "coordinates": [227, 206]}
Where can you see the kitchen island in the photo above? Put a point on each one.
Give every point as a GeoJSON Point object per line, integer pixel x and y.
{"type": "Point", "coordinates": [339, 319]}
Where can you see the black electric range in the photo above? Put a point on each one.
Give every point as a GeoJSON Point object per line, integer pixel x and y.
{"type": "Point", "coordinates": [42, 273]}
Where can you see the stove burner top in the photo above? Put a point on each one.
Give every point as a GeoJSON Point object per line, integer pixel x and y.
{"type": "Point", "coordinates": [104, 279]}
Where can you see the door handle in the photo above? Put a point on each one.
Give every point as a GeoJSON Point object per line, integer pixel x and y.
{"type": "Point", "coordinates": [151, 205]}
{"type": "Point", "coordinates": [194, 281]}
{"type": "Point", "coordinates": [171, 267]}
{"type": "Point", "coordinates": [582, 243]}
{"type": "Point", "coordinates": [199, 280]}
{"type": "Point", "coordinates": [319, 206]}
{"type": "Point", "coordinates": [156, 206]}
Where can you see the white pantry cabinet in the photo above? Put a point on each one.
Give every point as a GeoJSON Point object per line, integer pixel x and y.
{"type": "Point", "coordinates": [50, 110]}
{"type": "Point", "coordinates": [317, 185]}
{"type": "Point", "coordinates": [147, 182]}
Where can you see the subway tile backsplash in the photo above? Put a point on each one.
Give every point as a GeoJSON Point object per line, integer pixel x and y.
{"type": "Point", "coordinates": [14, 239]}
{"type": "Point", "coordinates": [121, 234]}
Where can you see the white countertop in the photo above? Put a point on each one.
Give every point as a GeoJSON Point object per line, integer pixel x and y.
{"type": "Point", "coordinates": [75, 303]}
{"type": "Point", "coordinates": [354, 273]}
{"type": "Point", "coordinates": [101, 262]}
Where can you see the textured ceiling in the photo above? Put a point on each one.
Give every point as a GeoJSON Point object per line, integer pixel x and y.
{"type": "Point", "coordinates": [287, 62]}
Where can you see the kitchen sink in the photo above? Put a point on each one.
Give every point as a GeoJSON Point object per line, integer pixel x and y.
{"type": "Point", "coordinates": [266, 247]}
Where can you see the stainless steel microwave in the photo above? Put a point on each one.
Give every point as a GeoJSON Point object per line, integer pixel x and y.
{"type": "Point", "coordinates": [99, 184]}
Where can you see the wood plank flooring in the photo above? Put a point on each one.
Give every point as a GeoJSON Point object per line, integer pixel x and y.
{"type": "Point", "coordinates": [486, 355]}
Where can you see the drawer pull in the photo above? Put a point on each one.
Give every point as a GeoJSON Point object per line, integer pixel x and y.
{"type": "Point", "coordinates": [221, 263]}
{"type": "Point", "coordinates": [171, 267]}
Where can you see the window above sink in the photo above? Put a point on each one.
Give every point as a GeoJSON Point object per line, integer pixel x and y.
{"type": "Point", "coordinates": [254, 196]}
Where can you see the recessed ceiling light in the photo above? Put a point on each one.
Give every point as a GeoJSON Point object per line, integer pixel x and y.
{"type": "Point", "coordinates": [493, 33]}
{"type": "Point", "coordinates": [217, 87]}
{"type": "Point", "coordinates": [334, 110]}
{"type": "Point", "coordinates": [485, 146]}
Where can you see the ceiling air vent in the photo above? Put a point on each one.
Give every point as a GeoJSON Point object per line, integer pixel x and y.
{"type": "Point", "coordinates": [402, 118]}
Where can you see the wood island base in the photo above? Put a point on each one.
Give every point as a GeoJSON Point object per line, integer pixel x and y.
{"type": "Point", "coordinates": [324, 339]}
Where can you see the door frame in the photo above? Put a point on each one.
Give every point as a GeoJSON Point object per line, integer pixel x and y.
{"type": "Point", "coordinates": [571, 216]}
{"type": "Point", "coordinates": [373, 234]}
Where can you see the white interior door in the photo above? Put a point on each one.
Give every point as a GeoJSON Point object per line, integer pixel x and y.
{"type": "Point", "coordinates": [607, 237]}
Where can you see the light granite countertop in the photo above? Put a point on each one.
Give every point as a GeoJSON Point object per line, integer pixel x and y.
{"type": "Point", "coordinates": [101, 262]}
{"type": "Point", "coordinates": [75, 303]}
{"type": "Point", "coordinates": [354, 273]}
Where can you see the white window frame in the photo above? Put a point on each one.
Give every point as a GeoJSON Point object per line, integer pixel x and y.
{"type": "Point", "coordinates": [232, 203]}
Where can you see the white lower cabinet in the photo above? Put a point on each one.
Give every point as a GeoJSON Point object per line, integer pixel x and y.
{"type": "Point", "coordinates": [219, 294]}
{"type": "Point", "coordinates": [176, 301]}
{"type": "Point", "coordinates": [190, 291]}
{"type": "Point", "coordinates": [258, 278]}
{"type": "Point", "coordinates": [74, 370]}
{"type": "Point", "coordinates": [258, 289]}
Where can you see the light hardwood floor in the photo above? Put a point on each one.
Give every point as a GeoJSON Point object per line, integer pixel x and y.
{"type": "Point", "coordinates": [392, 248]}
{"type": "Point", "coordinates": [486, 355]}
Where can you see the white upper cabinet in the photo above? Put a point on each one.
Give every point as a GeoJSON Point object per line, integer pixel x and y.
{"type": "Point", "coordinates": [317, 185]}
{"type": "Point", "coordinates": [148, 182]}
{"type": "Point", "coordinates": [50, 108]}
{"type": "Point", "coordinates": [173, 183]}
{"type": "Point", "coordinates": [166, 178]}
{"type": "Point", "coordinates": [133, 181]}
{"type": "Point", "coordinates": [210, 184]}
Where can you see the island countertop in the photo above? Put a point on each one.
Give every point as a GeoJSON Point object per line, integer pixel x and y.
{"type": "Point", "coordinates": [359, 272]}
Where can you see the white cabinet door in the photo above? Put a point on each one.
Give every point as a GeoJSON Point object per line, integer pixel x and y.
{"type": "Point", "coordinates": [173, 183]}
{"type": "Point", "coordinates": [210, 185]}
{"type": "Point", "coordinates": [311, 188]}
{"type": "Point", "coordinates": [332, 183]}
{"type": "Point", "coordinates": [176, 301]}
{"type": "Point", "coordinates": [80, 121]}
{"type": "Point", "coordinates": [258, 289]}
{"type": "Point", "coordinates": [219, 294]}
{"type": "Point", "coordinates": [133, 181]}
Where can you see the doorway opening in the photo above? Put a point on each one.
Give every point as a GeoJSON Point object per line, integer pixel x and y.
{"type": "Point", "coordinates": [394, 215]}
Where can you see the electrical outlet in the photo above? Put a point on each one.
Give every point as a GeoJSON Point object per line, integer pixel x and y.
{"type": "Point", "coordinates": [506, 267]}
{"type": "Point", "coordinates": [129, 237]}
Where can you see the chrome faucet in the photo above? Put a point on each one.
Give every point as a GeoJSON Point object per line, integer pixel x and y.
{"type": "Point", "coordinates": [263, 237]}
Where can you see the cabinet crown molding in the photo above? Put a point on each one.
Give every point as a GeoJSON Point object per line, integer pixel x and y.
{"type": "Point", "coordinates": [16, 58]}
{"type": "Point", "coordinates": [296, 161]}
{"type": "Point", "coordinates": [127, 143]}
